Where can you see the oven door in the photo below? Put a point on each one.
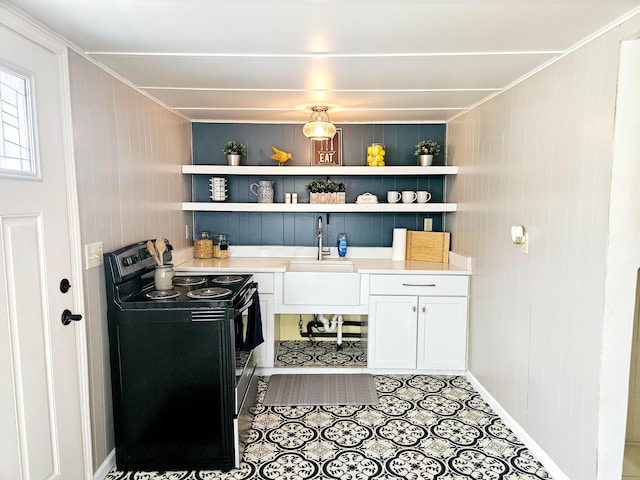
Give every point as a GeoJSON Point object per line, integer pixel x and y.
{"type": "Point", "coordinates": [246, 380]}
{"type": "Point", "coordinates": [245, 360]}
{"type": "Point", "coordinates": [243, 418]}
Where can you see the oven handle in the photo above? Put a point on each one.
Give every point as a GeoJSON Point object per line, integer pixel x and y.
{"type": "Point", "coordinates": [248, 298]}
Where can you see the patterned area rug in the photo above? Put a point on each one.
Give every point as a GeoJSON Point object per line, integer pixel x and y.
{"type": "Point", "coordinates": [424, 427]}
{"type": "Point", "coordinates": [320, 389]}
{"type": "Point", "coordinates": [296, 353]}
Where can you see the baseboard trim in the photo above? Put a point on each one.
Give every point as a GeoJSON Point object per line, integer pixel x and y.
{"type": "Point", "coordinates": [520, 432]}
{"type": "Point", "coordinates": [105, 468]}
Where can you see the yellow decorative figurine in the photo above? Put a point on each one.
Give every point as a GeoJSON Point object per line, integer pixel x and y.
{"type": "Point", "coordinates": [280, 156]}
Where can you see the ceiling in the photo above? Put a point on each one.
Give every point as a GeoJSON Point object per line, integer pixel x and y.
{"type": "Point", "coordinates": [369, 61]}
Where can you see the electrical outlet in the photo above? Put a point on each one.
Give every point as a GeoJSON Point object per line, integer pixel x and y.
{"type": "Point", "coordinates": [93, 255]}
{"type": "Point", "coordinates": [428, 224]}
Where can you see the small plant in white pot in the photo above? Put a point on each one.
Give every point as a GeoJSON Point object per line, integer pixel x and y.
{"type": "Point", "coordinates": [234, 151]}
{"type": "Point", "coordinates": [425, 151]}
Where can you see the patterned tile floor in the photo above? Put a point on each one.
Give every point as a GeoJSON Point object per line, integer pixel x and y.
{"type": "Point", "coordinates": [424, 428]}
{"type": "Point", "coordinates": [296, 353]}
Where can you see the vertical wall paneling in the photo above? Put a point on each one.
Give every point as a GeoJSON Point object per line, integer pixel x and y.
{"type": "Point", "coordinates": [623, 264]}
{"type": "Point", "coordinates": [540, 155]}
{"type": "Point", "coordinates": [129, 151]}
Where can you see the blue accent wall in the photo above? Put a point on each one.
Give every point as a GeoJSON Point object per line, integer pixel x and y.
{"type": "Point", "coordinates": [299, 229]}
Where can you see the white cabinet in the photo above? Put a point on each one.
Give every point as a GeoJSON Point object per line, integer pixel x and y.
{"type": "Point", "coordinates": [392, 332]}
{"type": "Point", "coordinates": [442, 333]}
{"type": "Point", "coordinates": [422, 325]}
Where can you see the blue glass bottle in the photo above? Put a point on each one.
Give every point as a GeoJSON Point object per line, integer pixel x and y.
{"type": "Point", "coordinates": [342, 245]}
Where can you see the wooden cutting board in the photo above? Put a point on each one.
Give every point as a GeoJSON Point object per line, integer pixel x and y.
{"type": "Point", "coordinates": [428, 246]}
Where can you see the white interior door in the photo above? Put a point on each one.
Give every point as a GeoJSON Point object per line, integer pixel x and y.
{"type": "Point", "coordinates": [41, 403]}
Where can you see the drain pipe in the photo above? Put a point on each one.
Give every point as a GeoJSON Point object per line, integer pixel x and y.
{"type": "Point", "coordinates": [336, 321]}
{"type": "Point", "coordinates": [320, 322]}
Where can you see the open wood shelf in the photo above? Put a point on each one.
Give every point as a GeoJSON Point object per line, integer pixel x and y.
{"type": "Point", "coordinates": [320, 171]}
{"type": "Point", "coordinates": [320, 207]}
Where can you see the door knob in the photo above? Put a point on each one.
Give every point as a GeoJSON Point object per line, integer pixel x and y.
{"type": "Point", "coordinates": [68, 317]}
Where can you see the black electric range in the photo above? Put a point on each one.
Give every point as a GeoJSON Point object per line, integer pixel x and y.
{"type": "Point", "coordinates": [182, 379]}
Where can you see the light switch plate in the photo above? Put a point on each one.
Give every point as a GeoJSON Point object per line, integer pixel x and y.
{"type": "Point", "coordinates": [93, 255]}
{"type": "Point", "coordinates": [428, 224]}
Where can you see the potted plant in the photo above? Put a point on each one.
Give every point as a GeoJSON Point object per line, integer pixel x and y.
{"type": "Point", "coordinates": [234, 151]}
{"type": "Point", "coordinates": [425, 151]}
{"type": "Point", "coordinates": [326, 192]}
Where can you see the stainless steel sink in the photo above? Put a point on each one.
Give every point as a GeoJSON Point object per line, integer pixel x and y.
{"type": "Point", "coordinates": [332, 266]}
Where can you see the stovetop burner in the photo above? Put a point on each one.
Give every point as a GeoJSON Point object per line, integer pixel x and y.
{"type": "Point", "coordinates": [189, 281]}
{"type": "Point", "coordinates": [227, 279]}
{"type": "Point", "coordinates": [162, 294]}
{"type": "Point", "coordinates": [208, 293]}
{"type": "Point", "coordinates": [129, 275]}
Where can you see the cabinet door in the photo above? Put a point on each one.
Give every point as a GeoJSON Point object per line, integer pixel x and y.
{"type": "Point", "coordinates": [442, 333]}
{"type": "Point", "coordinates": [392, 332]}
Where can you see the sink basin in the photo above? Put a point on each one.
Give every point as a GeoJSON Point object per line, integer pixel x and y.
{"type": "Point", "coordinates": [333, 266]}
{"type": "Point", "coordinates": [321, 282]}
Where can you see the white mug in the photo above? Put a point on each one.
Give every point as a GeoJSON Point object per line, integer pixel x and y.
{"type": "Point", "coordinates": [219, 196]}
{"type": "Point", "coordinates": [408, 196]}
{"type": "Point", "coordinates": [217, 181]}
{"type": "Point", "coordinates": [423, 197]}
{"type": "Point", "coordinates": [393, 196]}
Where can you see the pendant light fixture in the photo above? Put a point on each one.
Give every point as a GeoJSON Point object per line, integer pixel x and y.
{"type": "Point", "coordinates": [319, 127]}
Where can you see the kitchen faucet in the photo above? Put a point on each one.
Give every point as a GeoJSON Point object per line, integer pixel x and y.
{"type": "Point", "coordinates": [321, 251]}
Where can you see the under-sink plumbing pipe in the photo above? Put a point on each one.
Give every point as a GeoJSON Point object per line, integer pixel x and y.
{"type": "Point", "coordinates": [322, 332]}
{"type": "Point", "coordinates": [330, 326]}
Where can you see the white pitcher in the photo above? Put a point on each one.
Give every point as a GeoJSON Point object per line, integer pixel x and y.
{"type": "Point", "coordinates": [263, 190]}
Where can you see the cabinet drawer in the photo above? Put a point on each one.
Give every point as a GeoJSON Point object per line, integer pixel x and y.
{"type": "Point", "coordinates": [447, 285]}
{"type": "Point", "coordinates": [265, 282]}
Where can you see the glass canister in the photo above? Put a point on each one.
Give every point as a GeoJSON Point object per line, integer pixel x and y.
{"type": "Point", "coordinates": [221, 246]}
{"type": "Point", "coordinates": [203, 246]}
{"type": "Point", "coordinates": [375, 154]}
{"type": "Point", "coordinates": [163, 277]}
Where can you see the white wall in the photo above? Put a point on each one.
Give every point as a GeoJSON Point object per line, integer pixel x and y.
{"type": "Point", "coordinates": [623, 264]}
{"type": "Point", "coordinates": [129, 151]}
{"type": "Point", "coordinates": [540, 155]}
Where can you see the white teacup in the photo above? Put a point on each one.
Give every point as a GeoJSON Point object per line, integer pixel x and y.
{"type": "Point", "coordinates": [216, 181]}
{"type": "Point", "coordinates": [408, 196]}
{"type": "Point", "coordinates": [393, 196]}
{"type": "Point", "coordinates": [219, 196]}
{"type": "Point", "coordinates": [422, 196]}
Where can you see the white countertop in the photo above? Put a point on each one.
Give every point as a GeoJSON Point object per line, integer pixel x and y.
{"type": "Point", "coordinates": [183, 262]}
